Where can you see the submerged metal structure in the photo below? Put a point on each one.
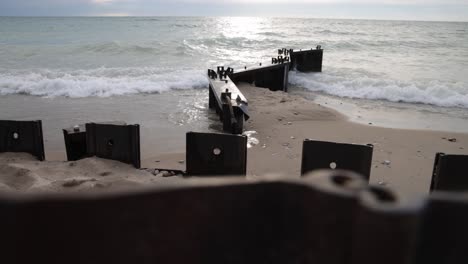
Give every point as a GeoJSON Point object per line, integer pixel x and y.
{"type": "Point", "coordinates": [230, 104]}
{"type": "Point", "coordinates": [228, 101]}
{"type": "Point", "coordinates": [273, 77]}
{"type": "Point", "coordinates": [307, 60]}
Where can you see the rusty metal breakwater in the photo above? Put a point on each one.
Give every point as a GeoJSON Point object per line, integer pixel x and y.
{"type": "Point", "coordinates": [326, 217]}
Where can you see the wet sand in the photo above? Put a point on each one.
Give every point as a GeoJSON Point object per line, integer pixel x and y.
{"type": "Point", "coordinates": [282, 121]}
{"type": "Point", "coordinates": [286, 120]}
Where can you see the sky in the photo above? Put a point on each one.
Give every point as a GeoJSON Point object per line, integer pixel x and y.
{"type": "Point", "coordinates": [427, 10]}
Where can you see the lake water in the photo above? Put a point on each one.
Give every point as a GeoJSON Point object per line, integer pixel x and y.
{"type": "Point", "coordinates": [421, 66]}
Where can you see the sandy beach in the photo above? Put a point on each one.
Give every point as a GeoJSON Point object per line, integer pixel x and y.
{"type": "Point", "coordinates": [403, 159]}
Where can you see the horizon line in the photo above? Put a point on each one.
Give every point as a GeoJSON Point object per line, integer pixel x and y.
{"type": "Point", "coordinates": [198, 16]}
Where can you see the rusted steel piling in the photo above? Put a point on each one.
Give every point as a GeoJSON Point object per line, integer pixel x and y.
{"type": "Point", "coordinates": [230, 104]}
{"type": "Point", "coordinates": [22, 136]}
{"type": "Point", "coordinates": [307, 60]}
{"type": "Point", "coordinates": [327, 217]}
{"type": "Point", "coordinates": [274, 76]}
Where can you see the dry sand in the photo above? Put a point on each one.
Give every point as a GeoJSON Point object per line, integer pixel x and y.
{"type": "Point", "coordinates": [282, 121]}
{"type": "Point", "coordinates": [21, 172]}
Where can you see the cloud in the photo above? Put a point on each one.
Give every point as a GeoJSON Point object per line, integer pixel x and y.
{"type": "Point", "coordinates": [102, 1]}
{"type": "Point", "coordinates": [381, 9]}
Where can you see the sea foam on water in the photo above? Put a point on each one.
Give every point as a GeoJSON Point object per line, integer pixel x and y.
{"type": "Point", "coordinates": [397, 61]}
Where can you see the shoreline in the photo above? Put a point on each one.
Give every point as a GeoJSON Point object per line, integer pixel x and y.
{"type": "Point", "coordinates": [281, 120]}
{"type": "Point", "coordinates": [389, 114]}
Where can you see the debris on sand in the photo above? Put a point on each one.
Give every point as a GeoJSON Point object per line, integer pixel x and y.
{"type": "Point", "coordinates": [251, 141]}
{"type": "Point", "coordinates": [76, 182]}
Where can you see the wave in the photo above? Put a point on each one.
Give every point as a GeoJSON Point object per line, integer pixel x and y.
{"type": "Point", "coordinates": [371, 86]}
{"type": "Point", "coordinates": [339, 32]}
{"type": "Point", "coordinates": [114, 47]}
{"type": "Point", "coordinates": [102, 82]}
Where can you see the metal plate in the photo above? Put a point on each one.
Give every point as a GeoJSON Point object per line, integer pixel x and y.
{"type": "Point", "coordinates": [75, 143]}
{"type": "Point", "coordinates": [274, 77]}
{"type": "Point", "coordinates": [450, 173]}
{"type": "Point", "coordinates": [444, 233]}
{"type": "Point", "coordinates": [216, 154]}
{"type": "Point", "coordinates": [115, 142]}
{"type": "Point", "coordinates": [329, 217]}
{"type": "Point", "coordinates": [331, 155]}
{"type": "Point", "coordinates": [22, 136]}
{"type": "Point", "coordinates": [382, 216]}
{"type": "Point", "coordinates": [307, 60]}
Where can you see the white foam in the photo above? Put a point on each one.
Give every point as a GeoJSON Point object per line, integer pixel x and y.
{"type": "Point", "coordinates": [367, 86]}
{"type": "Point", "coordinates": [251, 141]}
{"type": "Point", "coordinates": [101, 82]}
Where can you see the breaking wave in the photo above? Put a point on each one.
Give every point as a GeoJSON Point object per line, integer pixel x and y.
{"type": "Point", "coordinates": [102, 82]}
{"type": "Point", "coordinates": [359, 85]}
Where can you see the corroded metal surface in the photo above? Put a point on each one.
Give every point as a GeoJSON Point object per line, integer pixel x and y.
{"type": "Point", "coordinates": [22, 136]}
{"type": "Point", "coordinates": [228, 101]}
{"type": "Point", "coordinates": [274, 76]}
{"type": "Point", "coordinates": [333, 155]}
{"type": "Point", "coordinates": [449, 173]}
{"type": "Point", "coordinates": [209, 154]}
{"type": "Point", "coordinates": [327, 217]}
{"type": "Point", "coordinates": [114, 141]}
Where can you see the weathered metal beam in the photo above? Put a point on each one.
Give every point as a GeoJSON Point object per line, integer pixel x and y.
{"type": "Point", "coordinates": [119, 142]}
{"type": "Point", "coordinates": [75, 142]}
{"type": "Point", "coordinates": [209, 154]}
{"type": "Point", "coordinates": [228, 101]}
{"type": "Point", "coordinates": [385, 229]}
{"type": "Point", "coordinates": [444, 233]}
{"type": "Point", "coordinates": [307, 60]}
{"type": "Point", "coordinates": [274, 76]}
{"type": "Point", "coordinates": [327, 217]}
{"type": "Point", "coordinates": [333, 155]}
{"type": "Point", "coordinates": [22, 136]}
{"type": "Point", "coordinates": [450, 173]}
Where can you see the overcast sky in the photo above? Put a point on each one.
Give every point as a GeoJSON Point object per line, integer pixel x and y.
{"type": "Point", "coordinates": [445, 10]}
